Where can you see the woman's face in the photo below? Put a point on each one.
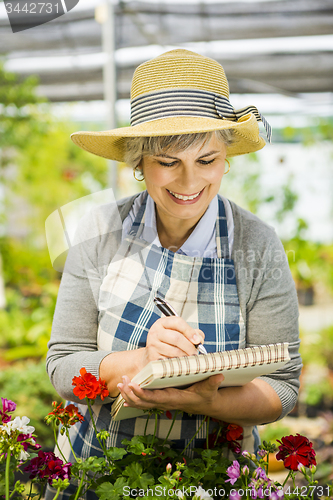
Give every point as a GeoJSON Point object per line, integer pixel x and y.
{"type": "Point", "coordinates": [196, 173]}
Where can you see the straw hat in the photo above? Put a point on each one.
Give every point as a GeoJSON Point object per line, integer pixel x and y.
{"type": "Point", "coordinates": [179, 92]}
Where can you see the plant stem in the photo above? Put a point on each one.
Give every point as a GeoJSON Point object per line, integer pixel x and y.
{"type": "Point", "coordinates": [70, 444]}
{"type": "Point", "coordinates": [41, 492]}
{"type": "Point", "coordinates": [155, 429]}
{"type": "Point", "coordinates": [207, 433]}
{"type": "Point", "coordinates": [171, 426]}
{"type": "Point", "coordinates": [7, 474]}
{"type": "Point", "coordinates": [56, 442]}
{"type": "Point", "coordinates": [293, 475]}
{"type": "Point", "coordinates": [188, 444]}
{"type": "Point", "coordinates": [217, 435]}
{"type": "Point", "coordinates": [145, 432]}
{"type": "Point", "coordinates": [267, 460]}
{"type": "Point", "coordinates": [29, 496]}
{"type": "Point", "coordinates": [57, 494]}
{"type": "Point", "coordinates": [286, 478]}
{"type": "Point", "coordinates": [78, 491]}
{"type": "Point", "coordinates": [94, 425]}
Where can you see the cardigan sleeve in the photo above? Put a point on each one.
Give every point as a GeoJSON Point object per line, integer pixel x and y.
{"type": "Point", "coordinates": [268, 295]}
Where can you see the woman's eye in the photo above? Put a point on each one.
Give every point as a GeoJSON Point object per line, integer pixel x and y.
{"type": "Point", "coordinates": [164, 164]}
{"type": "Point", "coordinates": [206, 162]}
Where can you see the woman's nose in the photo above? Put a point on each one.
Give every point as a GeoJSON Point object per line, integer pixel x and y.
{"type": "Point", "coordinates": [188, 176]}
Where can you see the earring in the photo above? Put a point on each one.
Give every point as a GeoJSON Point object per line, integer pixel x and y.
{"type": "Point", "coordinates": [139, 180]}
{"type": "Point", "coordinates": [229, 166]}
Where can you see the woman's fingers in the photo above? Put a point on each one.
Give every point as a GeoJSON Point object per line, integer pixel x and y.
{"type": "Point", "coordinates": [174, 331]}
{"type": "Point", "coordinates": [134, 395]}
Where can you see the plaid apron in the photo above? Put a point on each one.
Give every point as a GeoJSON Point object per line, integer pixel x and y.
{"type": "Point", "coordinates": [202, 290]}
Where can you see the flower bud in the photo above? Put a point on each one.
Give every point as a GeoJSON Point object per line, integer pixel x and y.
{"type": "Point", "coordinates": [169, 467]}
{"type": "Point", "coordinates": [262, 453]}
{"type": "Point", "coordinates": [245, 470]}
{"type": "Point", "coordinates": [301, 469]}
{"type": "Point", "coordinates": [313, 469]}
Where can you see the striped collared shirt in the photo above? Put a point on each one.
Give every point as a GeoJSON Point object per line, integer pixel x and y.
{"type": "Point", "coordinates": [200, 243]}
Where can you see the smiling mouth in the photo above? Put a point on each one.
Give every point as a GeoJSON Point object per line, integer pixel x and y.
{"type": "Point", "coordinates": [185, 197]}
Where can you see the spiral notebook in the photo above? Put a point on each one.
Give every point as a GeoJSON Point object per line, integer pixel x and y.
{"type": "Point", "coordinates": [238, 366]}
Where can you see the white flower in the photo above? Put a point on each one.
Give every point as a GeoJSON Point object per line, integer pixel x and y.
{"type": "Point", "coordinates": [18, 424]}
{"type": "Point", "coordinates": [202, 494]}
{"type": "Point", "coordinates": [23, 456]}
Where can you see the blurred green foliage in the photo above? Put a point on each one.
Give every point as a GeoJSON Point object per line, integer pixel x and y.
{"type": "Point", "coordinates": [41, 170]}
{"type": "Point", "coordinates": [309, 262]}
{"type": "Point", "coordinates": [27, 384]}
{"type": "Point", "coordinates": [317, 355]}
{"type": "Point", "coordinates": [26, 322]}
{"type": "Point", "coordinates": [20, 117]}
{"type": "Point", "coordinates": [274, 431]}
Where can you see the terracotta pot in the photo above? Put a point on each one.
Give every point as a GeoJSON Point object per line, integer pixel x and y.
{"type": "Point", "coordinates": [274, 465]}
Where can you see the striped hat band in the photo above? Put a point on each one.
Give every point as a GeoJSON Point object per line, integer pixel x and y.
{"type": "Point", "coordinates": [189, 102]}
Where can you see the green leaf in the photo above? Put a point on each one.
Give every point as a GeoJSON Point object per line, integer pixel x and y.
{"type": "Point", "coordinates": [135, 445]}
{"type": "Point", "coordinates": [107, 490]}
{"type": "Point", "coordinates": [136, 478]}
{"type": "Point", "coordinates": [115, 453]}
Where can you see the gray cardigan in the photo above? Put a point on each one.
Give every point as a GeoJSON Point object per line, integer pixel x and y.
{"type": "Point", "coordinates": [266, 293]}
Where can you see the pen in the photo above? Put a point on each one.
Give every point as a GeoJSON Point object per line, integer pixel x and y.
{"type": "Point", "coordinates": [168, 310]}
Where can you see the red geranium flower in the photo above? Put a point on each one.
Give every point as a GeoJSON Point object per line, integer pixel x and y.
{"type": "Point", "coordinates": [226, 435]}
{"type": "Point", "coordinates": [46, 466]}
{"type": "Point", "coordinates": [234, 432]}
{"type": "Point", "coordinates": [104, 391]}
{"type": "Point", "coordinates": [66, 416]}
{"type": "Point", "coordinates": [88, 386]}
{"type": "Point", "coordinates": [295, 450]}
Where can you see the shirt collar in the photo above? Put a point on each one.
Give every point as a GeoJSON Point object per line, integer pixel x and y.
{"type": "Point", "coordinates": [199, 239]}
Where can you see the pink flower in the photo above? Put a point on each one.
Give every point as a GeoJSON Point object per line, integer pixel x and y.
{"type": "Point", "coordinates": [262, 453]}
{"type": "Point", "coordinates": [8, 406]}
{"type": "Point", "coordinates": [233, 472]}
{"type": "Point", "coordinates": [234, 495]}
{"type": "Point", "coordinates": [276, 495]}
{"type": "Point", "coordinates": [28, 441]}
{"type": "Point", "coordinates": [261, 474]}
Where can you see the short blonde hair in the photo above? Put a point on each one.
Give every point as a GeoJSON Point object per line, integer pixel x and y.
{"type": "Point", "coordinates": [138, 147]}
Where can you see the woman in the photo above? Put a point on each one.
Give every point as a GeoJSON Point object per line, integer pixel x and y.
{"type": "Point", "coordinates": [222, 269]}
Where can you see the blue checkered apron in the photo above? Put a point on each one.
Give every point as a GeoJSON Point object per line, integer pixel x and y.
{"type": "Point", "coordinates": [203, 291]}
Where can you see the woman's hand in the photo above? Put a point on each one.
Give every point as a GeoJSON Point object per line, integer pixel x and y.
{"type": "Point", "coordinates": [199, 398]}
{"type": "Point", "coordinates": [171, 337]}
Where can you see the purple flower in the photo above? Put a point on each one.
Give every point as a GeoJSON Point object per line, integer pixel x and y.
{"type": "Point", "coordinates": [8, 406]}
{"type": "Point", "coordinates": [234, 495]}
{"type": "Point", "coordinates": [233, 472]}
{"type": "Point", "coordinates": [28, 442]}
{"type": "Point", "coordinates": [245, 470]}
{"type": "Point", "coordinates": [48, 466]}
{"type": "Point", "coordinates": [260, 492]}
{"type": "Point", "coordinates": [276, 495]}
{"type": "Point", "coordinates": [261, 474]}
{"type": "Point", "coordinates": [262, 453]}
